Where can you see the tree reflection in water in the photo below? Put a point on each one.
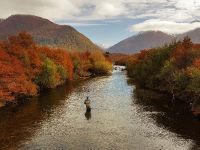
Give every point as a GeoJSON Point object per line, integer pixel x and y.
{"type": "Point", "coordinates": [174, 118]}
{"type": "Point", "coordinates": [88, 115]}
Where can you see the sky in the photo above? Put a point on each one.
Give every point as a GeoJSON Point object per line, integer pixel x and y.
{"type": "Point", "coordinates": [107, 22]}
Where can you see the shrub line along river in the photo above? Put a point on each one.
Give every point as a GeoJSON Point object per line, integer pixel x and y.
{"type": "Point", "coordinates": [119, 120]}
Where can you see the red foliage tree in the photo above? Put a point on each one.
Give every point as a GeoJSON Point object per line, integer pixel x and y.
{"type": "Point", "coordinates": [183, 52]}
{"type": "Point", "coordinates": [60, 57]}
{"type": "Point", "coordinates": [13, 81]}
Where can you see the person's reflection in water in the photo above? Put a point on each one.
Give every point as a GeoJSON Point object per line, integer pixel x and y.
{"type": "Point", "coordinates": [88, 115]}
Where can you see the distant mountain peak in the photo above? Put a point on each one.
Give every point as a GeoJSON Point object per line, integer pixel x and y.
{"type": "Point", "coordinates": [196, 20]}
{"type": "Point", "coordinates": [1, 19]}
{"type": "Point", "coordinates": [151, 39]}
{"type": "Point", "coordinates": [26, 16]}
{"type": "Point", "coordinates": [143, 40]}
{"type": "Point", "coordinates": [46, 32]}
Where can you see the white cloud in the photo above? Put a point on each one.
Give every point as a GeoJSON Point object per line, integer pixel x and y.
{"type": "Point", "coordinates": [183, 10]}
{"type": "Point", "coordinates": [175, 12]}
{"type": "Point", "coordinates": [104, 46]}
{"type": "Point", "coordinates": [165, 26]}
{"type": "Point", "coordinates": [64, 9]}
{"type": "Point", "coordinates": [51, 9]}
{"type": "Point", "coordinates": [109, 9]}
{"type": "Point", "coordinates": [78, 24]}
{"type": "Point", "coordinates": [188, 4]}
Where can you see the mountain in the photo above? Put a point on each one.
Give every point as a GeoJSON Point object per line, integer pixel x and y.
{"type": "Point", "coordinates": [195, 20]}
{"type": "Point", "coordinates": [141, 41]}
{"type": "Point", "coordinates": [193, 34]}
{"type": "Point", "coordinates": [46, 32]}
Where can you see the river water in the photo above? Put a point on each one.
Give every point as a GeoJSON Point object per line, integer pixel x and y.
{"type": "Point", "coordinates": [120, 120]}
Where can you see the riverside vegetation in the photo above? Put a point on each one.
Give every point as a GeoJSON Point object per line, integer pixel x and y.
{"type": "Point", "coordinates": [26, 68]}
{"type": "Point", "coordinates": [173, 69]}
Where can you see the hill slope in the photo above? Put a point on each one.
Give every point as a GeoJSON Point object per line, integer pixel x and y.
{"type": "Point", "coordinates": [151, 39]}
{"type": "Point", "coordinates": [141, 41]}
{"type": "Point", "coordinates": [193, 34]}
{"type": "Point", "coordinates": [46, 32]}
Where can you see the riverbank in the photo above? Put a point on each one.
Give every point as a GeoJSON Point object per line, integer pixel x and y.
{"type": "Point", "coordinates": [172, 69]}
{"type": "Point", "coordinates": [27, 68]}
{"type": "Point", "coordinates": [119, 119]}
{"type": "Point", "coordinates": [162, 100]}
{"type": "Point", "coordinates": [159, 98]}
{"type": "Point", "coordinates": [72, 83]}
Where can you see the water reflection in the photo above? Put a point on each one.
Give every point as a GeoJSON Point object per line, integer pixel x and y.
{"type": "Point", "coordinates": [54, 120]}
{"type": "Point", "coordinates": [18, 122]}
{"type": "Point", "coordinates": [174, 118]}
{"type": "Point", "coordinates": [88, 115]}
{"type": "Point", "coordinates": [194, 146]}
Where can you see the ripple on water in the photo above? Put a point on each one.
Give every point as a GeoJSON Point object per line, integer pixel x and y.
{"type": "Point", "coordinates": [116, 122]}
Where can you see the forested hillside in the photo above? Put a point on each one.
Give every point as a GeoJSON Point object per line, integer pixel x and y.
{"type": "Point", "coordinates": [46, 32]}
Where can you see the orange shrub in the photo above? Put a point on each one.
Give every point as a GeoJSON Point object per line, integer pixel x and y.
{"type": "Point", "coordinates": [13, 80]}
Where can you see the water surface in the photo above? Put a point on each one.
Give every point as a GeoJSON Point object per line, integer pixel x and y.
{"type": "Point", "coordinates": [120, 119]}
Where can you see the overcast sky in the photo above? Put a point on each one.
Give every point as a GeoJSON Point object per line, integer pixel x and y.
{"type": "Point", "coordinates": [107, 22]}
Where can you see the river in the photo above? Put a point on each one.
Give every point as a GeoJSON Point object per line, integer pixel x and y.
{"type": "Point", "coordinates": [119, 120]}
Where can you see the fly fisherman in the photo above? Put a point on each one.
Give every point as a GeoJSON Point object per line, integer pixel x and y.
{"type": "Point", "coordinates": [87, 104]}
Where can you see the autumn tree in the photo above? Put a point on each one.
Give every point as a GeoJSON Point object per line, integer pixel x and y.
{"type": "Point", "coordinates": [25, 67]}
{"type": "Point", "coordinates": [48, 77]}
{"type": "Point", "coordinates": [100, 66]}
{"type": "Point", "coordinates": [183, 55]}
{"type": "Point", "coordinates": [60, 57]}
{"type": "Point", "coordinates": [13, 80]}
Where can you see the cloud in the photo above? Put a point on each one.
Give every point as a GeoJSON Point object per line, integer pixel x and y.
{"type": "Point", "coordinates": [64, 9]}
{"type": "Point", "coordinates": [109, 9]}
{"type": "Point", "coordinates": [103, 9]}
{"type": "Point", "coordinates": [78, 24]}
{"type": "Point", "coordinates": [172, 16]}
{"type": "Point", "coordinates": [165, 26]}
{"type": "Point", "coordinates": [50, 9]}
{"type": "Point", "coordinates": [189, 5]}
{"type": "Point", "coordinates": [104, 46]}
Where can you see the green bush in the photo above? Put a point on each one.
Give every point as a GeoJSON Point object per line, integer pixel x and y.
{"type": "Point", "coordinates": [194, 83]}
{"type": "Point", "coordinates": [62, 73]}
{"type": "Point", "coordinates": [48, 77]}
{"type": "Point", "coordinates": [101, 68]}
